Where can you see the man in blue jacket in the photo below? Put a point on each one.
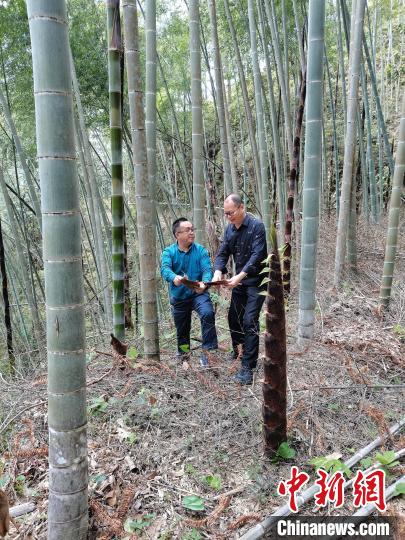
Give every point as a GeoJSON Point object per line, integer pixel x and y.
{"type": "Point", "coordinates": [186, 258]}
{"type": "Point", "coordinates": [245, 240]}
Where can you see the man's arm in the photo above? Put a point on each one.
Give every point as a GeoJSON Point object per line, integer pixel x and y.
{"type": "Point", "coordinates": [166, 269]}
{"type": "Point", "coordinates": [221, 258]}
{"type": "Point", "coordinates": [256, 256]}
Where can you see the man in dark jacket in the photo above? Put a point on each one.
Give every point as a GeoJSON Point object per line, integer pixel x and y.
{"type": "Point", "coordinates": [245, 240]}
{"type": "Point", "coordinates": [187, 258]}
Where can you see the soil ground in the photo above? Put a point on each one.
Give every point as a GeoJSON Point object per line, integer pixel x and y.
{"type": "Point", "coordinates": [159, 434]}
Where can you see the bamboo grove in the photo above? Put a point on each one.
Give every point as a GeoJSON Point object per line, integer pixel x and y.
{"type": "Point", "coordinates": [147, 112]}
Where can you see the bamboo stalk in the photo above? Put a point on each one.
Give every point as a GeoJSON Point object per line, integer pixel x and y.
{"type": "Point", "coordinates": [67, 416]}
{"type": "Point", "coordinates": [312, 170]}
{"type": "Point", "coordinates": [117, 204]}
{"type": "Point", "coordinates": [197, 123]}
{"type": "Point", "coordinates": [393, 217]}
{"type": "Point", "coordinates": [354, 72]}
{"type": "Point", "coordinates": [144, 201]}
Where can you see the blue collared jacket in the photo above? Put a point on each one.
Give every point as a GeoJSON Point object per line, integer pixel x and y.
{"type": "Point", "coordinates": [195, 264]}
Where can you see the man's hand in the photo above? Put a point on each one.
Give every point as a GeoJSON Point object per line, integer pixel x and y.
{"type": "Point", "coordinates": [234, 282]}
{"type": "Point", "coordinates": [217, 275]}
{"type": "Point", "coordinates": [177, 281]}
{"type": "Point", "coordinates": [201, 287]}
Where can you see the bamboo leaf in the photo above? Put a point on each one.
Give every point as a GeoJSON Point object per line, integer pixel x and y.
{"type": "Point", "coordinates": [193, 502]}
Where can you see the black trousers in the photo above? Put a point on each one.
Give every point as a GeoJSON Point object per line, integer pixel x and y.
{"type": "Point", "coordinates": [243, 319]}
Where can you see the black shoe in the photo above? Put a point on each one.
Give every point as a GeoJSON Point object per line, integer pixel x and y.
{"type": "Point", "coordinates": [244, 376]}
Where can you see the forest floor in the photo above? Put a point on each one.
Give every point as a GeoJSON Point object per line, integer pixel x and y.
{"type": "Point", "coordinates": [157, 435]}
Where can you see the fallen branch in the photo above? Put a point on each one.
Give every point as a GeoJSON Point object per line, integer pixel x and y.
{"type": "Point", "coordinates": [352, 387]}
{"type": "Point", "coordinates": [233, 491]}
{"type": "Point", "coordinates": [259, 530]}
{"type": "Point", "coordinates": [22, 509]}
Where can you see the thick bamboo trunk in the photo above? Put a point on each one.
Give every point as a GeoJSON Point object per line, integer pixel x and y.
{"type": "Point", "coordinates": [67, 510]}
{"type": "Point", "coordinates": [393, 217]}
{"type": "Point", "coordinates": [197, 123]}
{"type": "Point", "coordinates": [312, 169]}
{"type": "Point", "coordinates": [117, 193]}
{"type": "Point", "coordinates": [350, 142]}
{"type": "Point", "coordinates": [144, 203]}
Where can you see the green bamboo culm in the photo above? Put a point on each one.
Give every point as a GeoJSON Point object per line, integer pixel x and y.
{"type": "Point", "coordinates": [68, 508]}
{"type": "Point", "coordinates": [197, 122]}
{"type": "Point", "coordinates": [117, 193]}
{"type": "Point", "coordinates": [350, 139]}
{"type": "Point", "coordinates": [145, 209]}
{"type": "Point", "coordinates": [393, 216]}
{"type": "Point", "coordinates": [312, 169]}
{"type": "Point", "coordinates": [150, 103]}
{"type": "Point", "coordinates": [261, 136]}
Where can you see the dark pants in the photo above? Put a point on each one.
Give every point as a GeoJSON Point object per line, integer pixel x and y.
{"type": "Point", "coordinates": [201, 303]}
{"type": "Point", "coordinates": [243, 319]}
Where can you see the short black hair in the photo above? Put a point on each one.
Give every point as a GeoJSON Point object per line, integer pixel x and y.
{"type": "Point", "coordinates": [177, 224]}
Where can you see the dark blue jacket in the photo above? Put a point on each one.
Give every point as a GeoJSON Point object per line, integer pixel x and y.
{"type": "Point", "coordinates": [248, 247]}
{"type": "Point", "coordinates": [195, 263]}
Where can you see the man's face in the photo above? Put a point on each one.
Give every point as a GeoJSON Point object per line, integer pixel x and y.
{"type": "Point", "coordinates": [234, 214]}
{"type": "Point", "coordinates": [185, 234]}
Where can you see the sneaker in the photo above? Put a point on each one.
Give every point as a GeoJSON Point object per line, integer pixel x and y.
{"type": "Point", "coordinates": [244, 376]}
{"type": "Point", "coordinates": [204, 360]}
